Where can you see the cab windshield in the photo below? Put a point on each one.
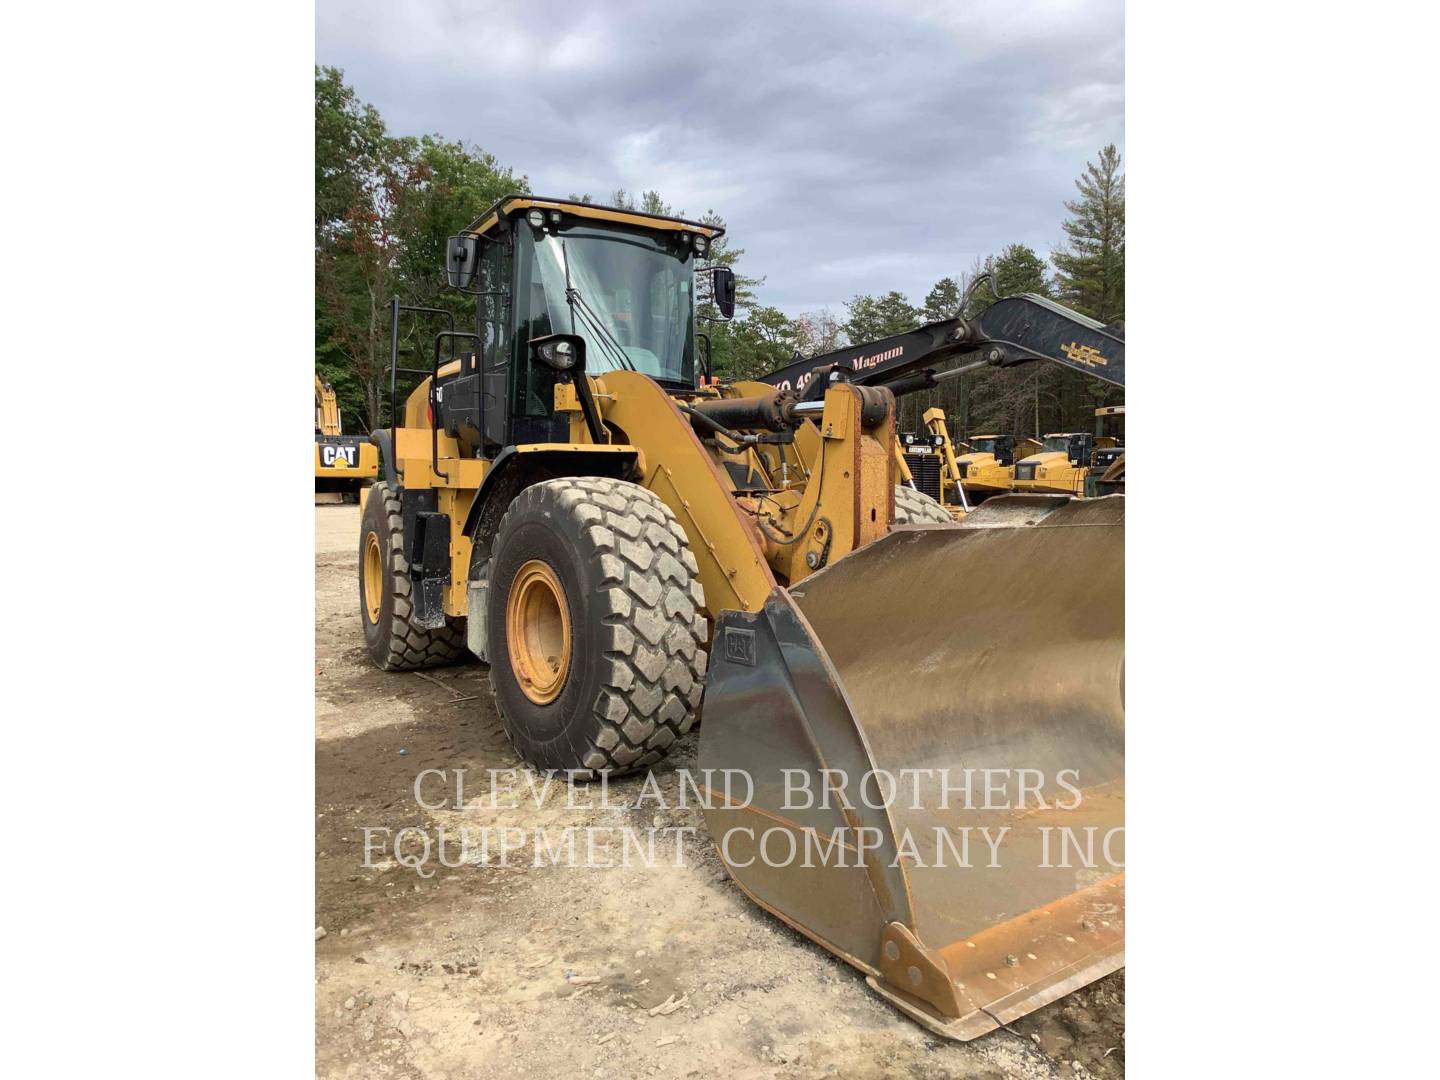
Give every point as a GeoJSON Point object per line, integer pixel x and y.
{"type": "Point", "coordinates": [1057, 443]}
{"type": "Point", "coordinates": [632, 303]}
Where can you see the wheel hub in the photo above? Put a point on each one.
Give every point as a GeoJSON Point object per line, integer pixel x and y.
{"type": "Point", "coordinates": [374, 577]}
{"type": "Point", "coordinates": [537, 631]}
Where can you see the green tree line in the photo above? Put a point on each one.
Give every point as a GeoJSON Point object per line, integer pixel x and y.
{"type": "Point", "coordinates": [384, 205]}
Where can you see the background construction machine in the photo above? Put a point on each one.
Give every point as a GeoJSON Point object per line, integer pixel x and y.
{"type": "Point", "coordinates": [1059, 467]}
{"type": "Point", "coordinates": [962, 479]}
{"type": "Point", "coordinates": [344, 464]}
{"type": "Point", "coordinates": [987, 464]}
{"type": "Point", "coordinates": [1014, 330]}
{"type": "Point", "coordinates": [1076, 463]}
{"type": "Point", "coordinates": [1107, 461]}
{"type": "Point", "coordinates": [569, 503]}
{"type": "Point", "coordinates": [930, 466]}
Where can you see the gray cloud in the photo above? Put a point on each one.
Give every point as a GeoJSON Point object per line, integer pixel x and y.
{"type": "Point", "coordinates": [851, 147]}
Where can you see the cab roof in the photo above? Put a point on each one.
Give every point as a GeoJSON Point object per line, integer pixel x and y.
{"type": "Point", "coordinates": [511, 204]}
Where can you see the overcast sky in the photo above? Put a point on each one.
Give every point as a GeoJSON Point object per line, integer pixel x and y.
{"type": "Point", "coordinates": [850, 147]}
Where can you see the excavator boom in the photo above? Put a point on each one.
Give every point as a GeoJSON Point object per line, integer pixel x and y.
{"type": "Point", "coordinates": [1013, 330]}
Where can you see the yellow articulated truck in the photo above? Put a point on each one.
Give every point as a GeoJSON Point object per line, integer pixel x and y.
{"type": "Point", "coordinates": [344, 464]}
{"type": "Point", "coordinates": [987, 464]}
{"type": "Point", "coordinates": [1065, 462]}
{"type": "Point", "coordinates": [1058, 467]}
{"type": "Point", "coordinates": [628, 541]}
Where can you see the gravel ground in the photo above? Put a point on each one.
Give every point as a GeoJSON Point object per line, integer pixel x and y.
{"type": "Point", "coordinates": [482, 969]}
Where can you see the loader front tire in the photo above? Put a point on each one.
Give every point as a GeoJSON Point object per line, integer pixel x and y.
{"type": "Point", "coordinates": [596, 626]}
{"type": "Point", "coordinates": [392, 640]}
{"type": "Point", "coordinates": [916, 508]}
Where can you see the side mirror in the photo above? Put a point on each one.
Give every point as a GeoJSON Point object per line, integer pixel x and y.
{"type": "Point", "coordinates": [462, 260]}
{"type": "Point", "coordinates": [723, 289]}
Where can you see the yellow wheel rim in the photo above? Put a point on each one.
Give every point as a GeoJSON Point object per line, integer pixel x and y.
{"type": "Point", "coordinates": [537, 630]}
{"type": "Point", "coordinates": [374, 577]}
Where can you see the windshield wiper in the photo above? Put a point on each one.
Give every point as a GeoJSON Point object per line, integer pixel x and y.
{"type": "Point", "coordinates": [614, 349]}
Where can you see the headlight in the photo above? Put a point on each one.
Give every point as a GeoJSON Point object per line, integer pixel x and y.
{"type": "Point", "coordinates": [909, 440]}
{"type": "Point", "coordinates": [536, 218]}
{"type": "Point", "coordinates": [560, 355]}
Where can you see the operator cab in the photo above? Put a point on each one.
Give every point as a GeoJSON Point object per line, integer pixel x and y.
{"type": "Point", "coordinates": [1000, 447]}
{"type": "Point", "coordinates": [1075, 445]}
{"type": "Point", "coordinates": [1105, 456]}
{"type": "Point", "coordinates": [1110, 426]}
{"type": "Point", "coordinates": [624, 282]}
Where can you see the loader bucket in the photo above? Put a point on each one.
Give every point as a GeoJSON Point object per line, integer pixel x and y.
{"type": "Point", "coordinates": [975, 673]}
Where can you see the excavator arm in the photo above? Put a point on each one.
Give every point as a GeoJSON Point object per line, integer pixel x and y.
{"type": "Point", "coordinates": [327, 409]}
{"type": "Point", "coordinates": [1013, 330]}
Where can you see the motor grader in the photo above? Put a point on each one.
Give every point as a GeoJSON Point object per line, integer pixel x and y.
{"type": "Point", "coordinates": [626, 540]}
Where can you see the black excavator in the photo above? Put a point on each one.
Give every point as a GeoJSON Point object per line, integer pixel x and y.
{"type": "Point", "coordinates": [1014, 330]}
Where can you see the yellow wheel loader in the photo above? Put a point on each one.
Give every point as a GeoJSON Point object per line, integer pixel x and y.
{"type": "Point", "coordinates": [626, 541]}
{"type": "Point", "coordinates": [344, 464]}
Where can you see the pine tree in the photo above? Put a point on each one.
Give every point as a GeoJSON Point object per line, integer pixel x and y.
{"type": "Point", "coordinates": [1008, 399]}
{"type": "Point", "coordinates": [1091, 268]}
{"type": "Point", "coordinates": [942, 301]}
{"type": "Point", "coordinates": [875, 317]}
{"type": "Point", "coordinates": [1018, 269]}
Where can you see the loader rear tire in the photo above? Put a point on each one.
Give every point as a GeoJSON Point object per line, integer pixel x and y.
{"type": "Point", "coordinates": [916, 508]}
{"type": "Point", "coordinates": [392, 640]}
{"type": "Point", "coordinates": [596, 626]}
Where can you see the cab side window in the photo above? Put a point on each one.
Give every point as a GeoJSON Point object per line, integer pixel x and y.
{"type": "Point", "coordinates": [494, 305]}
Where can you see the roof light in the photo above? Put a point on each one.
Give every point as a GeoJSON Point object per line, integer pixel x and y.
{"type": "Point", "coordinates": [554, 217]}
{"type": "Point", "coordinates": [699, 244]}
{"type": "Point", "coordinates": [536, 218]}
